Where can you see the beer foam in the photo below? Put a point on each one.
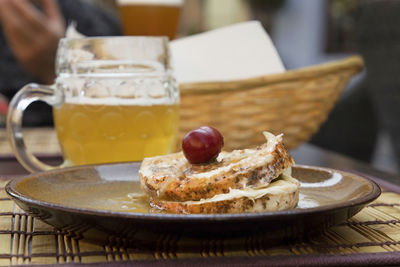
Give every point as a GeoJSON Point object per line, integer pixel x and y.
{"type": "Point", "coordinates": [151, 2]}
{"type": "Point", "coordinates": [114, 101]}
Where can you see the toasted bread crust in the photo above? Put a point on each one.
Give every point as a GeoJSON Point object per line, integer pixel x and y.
{"type": "Point", "coordinates": [172, 178]}
{"type": "Point", "coordinates": [285, 198]}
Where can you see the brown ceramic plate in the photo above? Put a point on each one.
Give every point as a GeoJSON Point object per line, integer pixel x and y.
{"type": "Point", "coordinates": [93, 202]}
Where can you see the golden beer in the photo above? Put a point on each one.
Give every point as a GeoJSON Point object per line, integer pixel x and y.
{"type": "Point", "coordinates": [93, 133]}
{"type": "Point", "coordinates": [154, 17]}
{"type": "Point", "coordinates": [114, 99]}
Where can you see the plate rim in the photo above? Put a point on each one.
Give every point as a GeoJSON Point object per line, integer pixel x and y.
{"type": "Point", "coordinates": [373, 194]}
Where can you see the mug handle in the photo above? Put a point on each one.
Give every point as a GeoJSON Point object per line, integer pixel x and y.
{"type": "Point", "coordinates": [28, 94]}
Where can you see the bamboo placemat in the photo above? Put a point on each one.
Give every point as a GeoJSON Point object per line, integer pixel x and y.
{"type": "Point", "coordinates": [25, 240]}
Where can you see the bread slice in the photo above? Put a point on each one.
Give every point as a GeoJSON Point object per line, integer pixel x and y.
{"type": "Point", "coordinates": [173, 178]}
{"type": "Point", "coordinates": [281, 194]}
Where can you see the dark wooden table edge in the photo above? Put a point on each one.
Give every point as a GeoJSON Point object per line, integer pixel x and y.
{"type": "Point", "coordinates": [360, 259]}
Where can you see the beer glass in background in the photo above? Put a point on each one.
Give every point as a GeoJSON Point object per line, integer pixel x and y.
{"type": "Point", "coordinates": [150, 17]}
{"type": "Point", "coordinates": [114, 100]}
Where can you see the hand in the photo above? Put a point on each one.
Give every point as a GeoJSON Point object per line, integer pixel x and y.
{"type": "Point", "coordinates": [33, 35]}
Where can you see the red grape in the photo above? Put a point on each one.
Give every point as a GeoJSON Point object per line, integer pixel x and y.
{"type": "Point", "coordinates": [202, 145]}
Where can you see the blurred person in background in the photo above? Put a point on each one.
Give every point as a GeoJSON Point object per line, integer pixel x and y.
{"type": "Point", "coordinates": [29, 35]}
{"type": "Point", "coordinates": [377, 38]}
{"type": "Point", "coordinates": [364, 123]}
{"type": "Point", "coordinates": [372, 109]}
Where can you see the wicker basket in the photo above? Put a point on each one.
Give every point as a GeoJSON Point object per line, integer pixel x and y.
{"type": "Point", "coordinates": [294, 103]}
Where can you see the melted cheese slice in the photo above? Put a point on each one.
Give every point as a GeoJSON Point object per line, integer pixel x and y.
{"type": "Point", "coordinates": [284, 185]}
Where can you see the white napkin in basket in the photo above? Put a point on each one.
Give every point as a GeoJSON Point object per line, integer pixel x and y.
{"type": "Point", "coordinates": [235, 52]}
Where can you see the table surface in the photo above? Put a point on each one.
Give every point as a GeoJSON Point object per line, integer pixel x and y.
{"type": "Point", "coordinates": [43, 142]}
{"type": "Point", "coordinates": [305, 154]}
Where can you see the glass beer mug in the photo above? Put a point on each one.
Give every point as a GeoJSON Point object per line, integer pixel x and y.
{"type": "Point", "coordinates": [114, 100]}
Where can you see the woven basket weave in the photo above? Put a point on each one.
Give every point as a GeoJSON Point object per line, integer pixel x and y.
{"type": "Point", "coordinates": [294, 103]}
